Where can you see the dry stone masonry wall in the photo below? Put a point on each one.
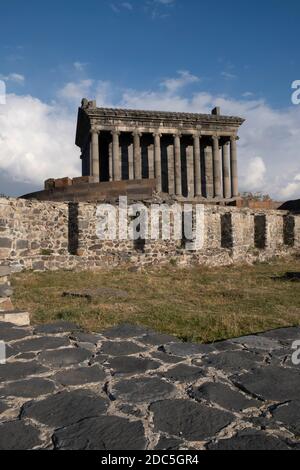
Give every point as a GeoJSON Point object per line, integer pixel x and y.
{"type": "Point", "coordinates": [52, 235]}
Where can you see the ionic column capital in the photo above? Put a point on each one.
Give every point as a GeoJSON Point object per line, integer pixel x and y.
{"type": "Point", "coordinates": [215, 138]}
{"type": "Point", "coordinates": [115, 132]}
{"type": "Point", "coordinates": [197, 135]}
{"type": "Point", "coordinates": [137, 133]}
{"type": "Point", "coordinates": [157, 133]}
{"type": "Point", "coordinates": [94, 130]}
{"type": "Point", "coordinates": [234, 138]}
{"type": "Point", "coordinates": [177, 134]}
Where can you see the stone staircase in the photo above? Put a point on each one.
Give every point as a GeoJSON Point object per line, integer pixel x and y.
{"type": "Point", "coordinates": [8, 313]}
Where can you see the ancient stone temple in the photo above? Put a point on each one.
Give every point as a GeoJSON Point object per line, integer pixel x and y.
{"type": "Point", "coordinates": [187, 155]}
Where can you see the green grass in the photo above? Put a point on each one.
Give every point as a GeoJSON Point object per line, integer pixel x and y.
{"type": "Point", "coordinates": [196, 304]}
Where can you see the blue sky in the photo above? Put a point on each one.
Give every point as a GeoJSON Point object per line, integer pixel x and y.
{"type": "Point", "coordinates": [177, 54]}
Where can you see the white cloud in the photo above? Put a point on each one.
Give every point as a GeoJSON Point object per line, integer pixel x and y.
{"type": "Point", "coordinates": [127, 6]}
{"type": "Point", "coordinates": [117, 7]}
{"type": "Point", "coordinates": [79, 66]}
{"type": "Point", "coordinates": [13, 77]}
{"type": "Point", "coordinates": [165, 2]}
{"type": "Point", "coordinates": [228, 75]}
{"type": "Point", "coordinates": [254, 180]}
{"type": "Point", "coordinates": [37, 139]}
{"type": "Point", "coordinates": [184, 78]}
{"type": "Point", "coordinates": [73, 92]}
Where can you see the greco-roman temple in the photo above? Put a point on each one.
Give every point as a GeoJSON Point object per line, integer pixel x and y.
{"type": "Point", "coordinates": [139, 153]}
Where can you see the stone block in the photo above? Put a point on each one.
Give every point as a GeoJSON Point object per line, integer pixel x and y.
{"type": "Point", "coordinates": [16, 318]}
{"type": "Point", "coordinates": [5, 242]}
{"type": "Point", "coordinates": [5, 290]}
{"type": "Point", "coordinates": [49, 183]}
{"type": "Point", "coordinates": [62, 182]}
{"type": "Point", "coordinates": [84, 180]}
{"type": "Point", "coordinates": [5, 271]}
{"type": "Point", "coordinates": [21, 244]}
{"type": "Point", "coordinates": [6, 304]}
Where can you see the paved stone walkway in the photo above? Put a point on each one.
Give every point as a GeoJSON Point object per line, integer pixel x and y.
{"type": "Point", "coordinates": [130, 388]}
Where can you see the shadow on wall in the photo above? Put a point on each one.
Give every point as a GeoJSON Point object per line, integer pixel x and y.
{"type": "Point", "coordinates": [73, 229]}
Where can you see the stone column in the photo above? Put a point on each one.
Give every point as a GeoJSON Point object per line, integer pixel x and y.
{"type": "Point", "coordinates": [116, 164]}
{"type": "Point", "coordinates": [157, 161]}
{"type": "Point", "coordinates": [177, 165]}
{"type": "Point", "coordinates": [217, 167]}
{"type": "Point", "coordinates": [137, 158]}
{"type": "Point", "coordinates": [95, 163]}
{"type": "Point", "coordinates": [197, 165]}
{"type": "Point", "coordinates": [233, 166]}
{"type": "Point", "coordinates": [208, 160]}
{"type": "Point", "coordinates": [226, 171]}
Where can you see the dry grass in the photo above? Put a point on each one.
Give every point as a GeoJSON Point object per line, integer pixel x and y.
{"type": "Point", "coordinates": [198, 304]}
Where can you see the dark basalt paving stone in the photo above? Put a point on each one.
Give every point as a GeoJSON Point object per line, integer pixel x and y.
{"type": "Point", "coordinates": [19, 370]}
{"type": "Point", "coordinates": [125, 331]}
{"type": "Point", "coordinates": [168, 443]}
{"type": "Point", "coordinates": [187, 349]}
{"type": "Point", "coordinates": [189, 420]}
{"type": "Point", "coordinates": [3, 407]}
{"type": "Point", "coordinates": [10, 351]}
{"type": "Point", "coordinates": [88, 346]}
{"type": "Point", "coordinates": [270, 383]}
{"type": "Point", "coordinates": [30, 388]}
{"type": "Point", "coordinates": [65, 408]}
{"type": "Point", "coordinates": [143, 390]}
{"type": "Point", "coordinates": [183, 373]}
{"type": "Point", "coordinates": [224, 396]}
{"type": "Point", "coordinates": [9, 333]}
{"type": "Point", "coordinates": [130, 410]}
{"type": "Point", "coordinates": [255, 440]}
{"type": "Point", "coordinates": [27, 355]}
{"type": "Point", "coordinates": [122, 348]}
{"type": "Point", "coordinates": [157, 339]}
{"type": "Point", "coordinates": [131, 365]}
{"type": "Point", "coordinates": [15, 435]}
{"type": "Point", "coordinates": [258, 342]}
{"type": "Point", "coordinates": [284, 335]}
{"type": "Point", "coordinates": [99, 359]}
{"type": "Point", "coordinates": [55, 328]}
{"type": "Point", "coordinates": [167, 358]}
{"type": "Point", "coordinates": [41, 344]}
{"type": "Point", "coordinates": [282, 357]}
{"type": "Point", "coordinates": [83, 337]}
{"type": "Point", "coordinates": [64, 357]}
{"type": "Point", "coordinates": [232, 360]}
{"type": "Point", "coordinates": [226, 346]}
{"type": "Point", "coordinates": [106, 432]}
{"type": "Point", "coordinates": [289, 415]}
{"type": "Point", "coordinates": [80, 376]}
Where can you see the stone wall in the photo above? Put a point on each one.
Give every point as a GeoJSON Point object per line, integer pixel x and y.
{"type": "Point", "coordinates": [53, 235]}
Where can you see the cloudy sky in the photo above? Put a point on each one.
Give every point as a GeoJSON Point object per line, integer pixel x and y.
{"type": "Point", "coordinates": [182, 55]}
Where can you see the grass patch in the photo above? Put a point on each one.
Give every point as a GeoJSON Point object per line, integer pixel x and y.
{"type": "Point", "coordinates": [196, 304]}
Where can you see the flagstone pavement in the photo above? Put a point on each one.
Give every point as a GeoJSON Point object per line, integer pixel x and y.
{"type": "Point", "coordinates": [129, 388]}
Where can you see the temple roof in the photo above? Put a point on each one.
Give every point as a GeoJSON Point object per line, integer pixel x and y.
{"type": "Point", "coordinates": [168, 115]}
{"type": "Point", "coordinates": [89, 114]}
